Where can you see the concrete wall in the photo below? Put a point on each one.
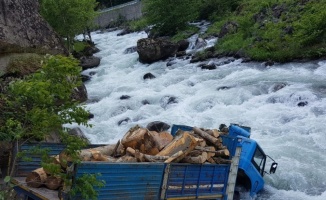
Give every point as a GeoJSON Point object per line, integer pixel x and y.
{"type": "Point", "coordinates": [129, 11]}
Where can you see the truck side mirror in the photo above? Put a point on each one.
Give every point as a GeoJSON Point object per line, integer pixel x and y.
{"type": "Point", "coordinates": [273, 168]}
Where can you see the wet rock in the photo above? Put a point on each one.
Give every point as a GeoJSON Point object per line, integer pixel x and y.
{"type": "Point", "coordinates": [152, 50]}
{"type": "Point", "coordinates": [223, 88]}
{"type": "Point", "coordinates": [124, 121]}
{"type": "Point", "coordinates": [158, 126]}
{"type": "Point", "coordinates": [302, 103]}
{"type": "Point", "coordinates": [167, 100]}
{"type": "Point", "coordinates": [183, 45]}
{"type": "Point", "coordinates": [211, 66]}
{"type": "Point", "coordinates": [90, 116]}
{"type": "Point", "coordinates": [92, 73]}
{"type": "Point", "coordinates": [145, 102]}
{"type": "Point", "coordinates": [148, 76]}
{"type": "Point", "coordinates": [90, 50]}
{"type": "Point", "coordinates": [269, 63]}
{"type": "Point", "coordinates": [85, 78]}
{"type": "Point", "coordinates": [225, 62]}
{"type": "Point", "coordinates": [80, 93]}
{"type": "Point", "coordinates": [180, 53]}
{"type": "Point", "coordinates": [278, 86]}
{"type": "Point", "coordinates": [89, 62]}
{"type": "Point", "coordinates": [130, 50]}
{"type": "Point", "coordinates": [124, 97]}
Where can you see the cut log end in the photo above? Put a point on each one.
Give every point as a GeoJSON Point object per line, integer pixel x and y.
{"type": "Point", "coordinates": [36, 178]}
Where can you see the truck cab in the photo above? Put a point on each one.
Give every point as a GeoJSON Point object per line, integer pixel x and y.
{"type": "Point", "coordinates": [252, 161]}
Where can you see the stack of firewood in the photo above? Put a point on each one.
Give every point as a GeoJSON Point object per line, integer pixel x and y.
{"type": "Point", "coordinates": [141, 145]}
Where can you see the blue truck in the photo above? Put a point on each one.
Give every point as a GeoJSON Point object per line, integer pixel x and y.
{"type": "Point", "coordinates": [162, 180]}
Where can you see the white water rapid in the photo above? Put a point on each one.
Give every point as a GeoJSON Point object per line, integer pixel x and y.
{"type": "Point", "coordinates": [285, 106]}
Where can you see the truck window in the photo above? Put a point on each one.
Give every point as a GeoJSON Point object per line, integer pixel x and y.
{"type": "Point", "coordinates": [259, 160]}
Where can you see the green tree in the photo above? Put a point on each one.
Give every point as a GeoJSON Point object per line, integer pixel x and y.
{"type": "Point", "coordinates": [170, 16]}
{"type": "Point", "coordinates": [41, 103]}
{"type": "Point", "coordinates": [69, 17]}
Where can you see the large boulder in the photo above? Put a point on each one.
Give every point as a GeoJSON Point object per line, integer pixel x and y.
{"type": "Point", "coordinates": [22, 29]}
{"type": "Point", "coordinates": [152, 50]}
{"type": "Point", "coordinates": [88, 62]}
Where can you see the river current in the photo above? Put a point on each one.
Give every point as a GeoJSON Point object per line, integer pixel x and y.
{"type": "Point", "coordinates": [284, 104]}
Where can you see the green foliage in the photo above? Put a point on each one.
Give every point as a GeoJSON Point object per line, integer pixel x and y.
{"type": "Point", "coordinates": [84, 185]}
{"type": "Point", "coordinates": [69, 17]}
{"type": "Point", "coordinates": [215, 9]}
{"type": "Point", "coordinates": [138, 25]}
{"type": "Point", "coordinates": [281, 30]}
{"type": "Point", "coordinates": [42, 102]}
{"type": "Point", "coordinates": [170, 16]}
{"type": "Point", "coordinates": [80, 45]}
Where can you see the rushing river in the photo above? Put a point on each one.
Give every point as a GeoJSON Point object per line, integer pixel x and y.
{"type": "Point", "coordinates": [285, 106]}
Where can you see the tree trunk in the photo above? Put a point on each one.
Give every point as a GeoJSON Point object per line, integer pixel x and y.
{"type": "Point", "coordinates": [36, 178]}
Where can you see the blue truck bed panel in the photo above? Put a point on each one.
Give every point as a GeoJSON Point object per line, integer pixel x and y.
{"type": "Point", "coordinates": [23, 167]}
{"type": "Point", "coordinates": [126, 180]}
{"type": "Point", "coordinates": [206, 180]}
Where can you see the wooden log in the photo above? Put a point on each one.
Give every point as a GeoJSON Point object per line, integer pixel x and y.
{"type": "Point", "coordinates": [106, 150]}
{"type": "Point", "coordinates": [98, 156]}
{"type": "Point", "coordinates": [153, 142]}
{"type": "Point", "coordinates": [195, 152]}
{"type": "Point", "coordinates": [127, 158]}
{"type": "Point", "coordinates": [201, 141]}
{"type": "Point", "coordinates": [220, 160]}
{"type": "Point", "coordinates": [213, 132]}
{"type": "Point", "coordinates": [211, 160]}
{"type": "Point", "coordinates": [212, 140]}
{"type": "Point", "coordinates": [119, 150]}
{"type": "Point", "coordinates": [222, 153]}
{"type": "Point", "coordinates": [134, 137]}
{"type": "Point", "coordinates": [217, 153]}
{"type": "Point", "coordinates": [164, 139]}
{"type": "Point", "coordinates": [185, 143]}
{"type": "Point", "coordinates": [178, 155]}
{"type": "Point", "coordinates": [53, 182]}
{"type": "Point", "coordinates": [36, 178]}
{"type": "Point", "coordinates": [198, 159]}
{"type": "Point", "coordinates": [150, 144]}
{"type": "Point", "coordinates": [144, 157]}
